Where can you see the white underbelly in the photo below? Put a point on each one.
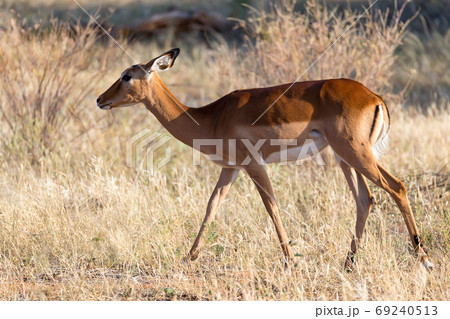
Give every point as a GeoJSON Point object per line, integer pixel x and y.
{"type": "Point", "coordinates": [308, 149]}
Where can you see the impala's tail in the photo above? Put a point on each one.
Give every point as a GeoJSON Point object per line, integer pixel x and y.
{"type": "Point", "coordinates": [380, 128]}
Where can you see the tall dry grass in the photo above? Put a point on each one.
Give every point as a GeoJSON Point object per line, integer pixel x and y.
{"type": "Point", "coordinates": [46, 75]}
{"type": "Point", "coordinates": [420, 66]}
{"type": "Point", "coordinates": [284, 45]}
{"type": "Point", "coordinates": [77, 224]}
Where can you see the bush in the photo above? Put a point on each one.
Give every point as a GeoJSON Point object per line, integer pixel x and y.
{"type": "Point", "coordinates": [46, 75]}
{"type": "Point", "coordinates": [284, 45]}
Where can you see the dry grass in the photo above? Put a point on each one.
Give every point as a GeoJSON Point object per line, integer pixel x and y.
{"type": "Point", "coordinates": [77, 224]}
{"type": "Point", "coordinates": [284, 45]}
{"type": "Point", "coordinates": [45, 77]}
{"type": "Point", "coordinates": [420, 63]}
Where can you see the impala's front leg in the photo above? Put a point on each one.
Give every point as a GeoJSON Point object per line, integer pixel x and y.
{"type": "Point", "coordinates": [259, 176]}
{"type": "Point", "coordinates": [227, 177]}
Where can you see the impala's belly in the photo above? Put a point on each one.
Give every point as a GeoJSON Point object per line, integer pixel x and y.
{"type": "Point", "coordinates": [298, 149]}
{"type": "Point", "coordinates": [268, 148]}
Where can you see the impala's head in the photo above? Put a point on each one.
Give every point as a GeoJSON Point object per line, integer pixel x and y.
{"type": "Point", "coordinates": [133, 85]}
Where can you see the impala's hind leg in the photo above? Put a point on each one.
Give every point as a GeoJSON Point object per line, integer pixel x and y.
{"type": "Point", "coordinates": [360, 156]}
{"type": "Point", "coordinates": [364, 202]}
{"type": "Point", "coordinates": [396, 188]}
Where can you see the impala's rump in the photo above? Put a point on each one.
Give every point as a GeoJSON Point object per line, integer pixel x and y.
{"type": "Point", "coordinates": [379, 137]}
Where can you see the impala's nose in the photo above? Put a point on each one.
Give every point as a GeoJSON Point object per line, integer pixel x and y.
{"type": "Point", "coordinates": [98, 99]}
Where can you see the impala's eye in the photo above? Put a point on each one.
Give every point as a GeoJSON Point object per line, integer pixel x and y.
{"type": "Point", "coordinates": [126, 78]}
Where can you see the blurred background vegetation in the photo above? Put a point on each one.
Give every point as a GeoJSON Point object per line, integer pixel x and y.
{"type": "Point", "coordinates": [74, 219]}
{"type": "Point", "coordinates": [419, 74]}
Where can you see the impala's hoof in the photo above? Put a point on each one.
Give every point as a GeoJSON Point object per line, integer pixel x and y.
{"type": "Point", "coordinates": [349, 262]}
{"type": "Point", "coordinates": [348, 267]}
{"type": "Point", "coordinates": [427, 264]}
{"type": "Point", "coordinates": [188, 258]}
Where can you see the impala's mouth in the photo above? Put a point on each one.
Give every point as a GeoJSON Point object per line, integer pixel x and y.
{"type": "Point", "coordinates": [105, 106]}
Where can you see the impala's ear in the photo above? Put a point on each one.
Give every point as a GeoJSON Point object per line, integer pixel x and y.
{"type": "Point", "coordinates": [163, 62]}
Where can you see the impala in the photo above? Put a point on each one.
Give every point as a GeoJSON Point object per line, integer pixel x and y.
{"type": "Point", "coordinates": [341, 113]}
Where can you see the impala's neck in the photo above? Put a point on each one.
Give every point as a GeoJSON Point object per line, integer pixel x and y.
{"type": "Point", "coordinates": [183, 122]}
